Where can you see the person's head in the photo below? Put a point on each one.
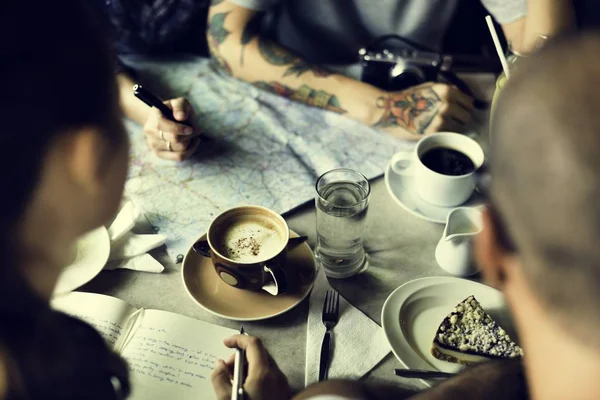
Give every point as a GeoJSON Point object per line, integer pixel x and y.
{"type": "Point", "coordinates": [64, 148]}
{"type": "Point", "coordinates": [545, 167]}
{"type": "Point", "coordinates": [63, 163]}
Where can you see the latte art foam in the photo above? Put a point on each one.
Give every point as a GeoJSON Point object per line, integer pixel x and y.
{"type": "Point", "coordinates": [250, 241]}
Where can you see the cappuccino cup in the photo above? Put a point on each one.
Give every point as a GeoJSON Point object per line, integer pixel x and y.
{"type": "Point", "coordinates": [248, 248]}
{"type": "Point", "coordinates": [443, 166]}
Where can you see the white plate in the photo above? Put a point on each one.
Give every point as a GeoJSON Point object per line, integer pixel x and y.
{"type": "Point", "coordinates": [92, 251]}
{"type": "Point", "coordinates": [413, 312]}
{"type": "Point", "coordinates": [402, 190]}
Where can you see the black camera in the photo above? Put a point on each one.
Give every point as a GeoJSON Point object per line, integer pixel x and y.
{"type": "Point", "coordinates": [405, 66]}
{"type": "Point", "coordinates": [409, 65]}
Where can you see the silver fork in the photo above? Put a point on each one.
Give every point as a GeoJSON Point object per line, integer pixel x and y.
{"type": "Point", "coordinates": [331, 311]}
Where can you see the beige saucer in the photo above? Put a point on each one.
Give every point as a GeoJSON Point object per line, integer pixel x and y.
{"type": "Point", "coordinates": [215, 296]}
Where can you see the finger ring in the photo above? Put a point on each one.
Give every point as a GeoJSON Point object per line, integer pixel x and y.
{"type": "Point", "coordinates": [162, 135]}
{"type": "Point", "coordinates": [169, 147]}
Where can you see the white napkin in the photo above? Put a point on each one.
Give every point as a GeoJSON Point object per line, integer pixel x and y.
{"type": "Point", "coordinates": [131, 245]}
{"type": "Point", "coordinates": [125, 221]}
{"type": "Point", "coordinates": [358, 343]}
{"type": "Point", "coordinates": [143, 262]}
{"type": "Point", "coordinates": [127, 249]}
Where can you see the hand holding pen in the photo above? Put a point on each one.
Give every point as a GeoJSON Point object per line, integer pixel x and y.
{"type": "Point", "coordinates": [168, 132]}
{"type": "Point", "coordinates": [263, 381]}
{"type": "Point", "coordinates": [239, 372]}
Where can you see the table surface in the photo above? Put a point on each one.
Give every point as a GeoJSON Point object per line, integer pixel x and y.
{"type": "Point", "coordinates": [400, 248]}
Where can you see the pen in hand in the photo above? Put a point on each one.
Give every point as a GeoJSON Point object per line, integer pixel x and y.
{"type": "Point", "coordinates": [169, 137]}
{"type": "Point", "coordinates": [261, 377]}
{"type": "Point", "coordinates": [239, 373]}
{"type": "Point", "coordinates": [153, 101]}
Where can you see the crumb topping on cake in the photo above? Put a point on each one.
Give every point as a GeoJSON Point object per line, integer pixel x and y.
{"type": "Point", "coordinates": [470, 329]}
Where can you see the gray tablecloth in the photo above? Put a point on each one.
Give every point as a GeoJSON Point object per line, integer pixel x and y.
{"type": "Point", "coordinates": [400, 246]}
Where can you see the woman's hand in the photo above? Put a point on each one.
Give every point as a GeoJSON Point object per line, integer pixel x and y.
{"type": "Point", "coordinates": [170, 140]}
{"type": "Point", "coordinates": [264, 380]}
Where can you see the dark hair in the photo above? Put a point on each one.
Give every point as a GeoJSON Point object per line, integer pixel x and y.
{"type": "Point", "coordinates": [56, 76]}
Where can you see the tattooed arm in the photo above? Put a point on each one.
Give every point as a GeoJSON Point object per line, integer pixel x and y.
{"type": "Point", "coordinates": [235, 42]}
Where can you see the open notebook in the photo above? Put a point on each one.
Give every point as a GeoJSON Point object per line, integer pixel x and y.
{"type": "Point", "coordinates": [170, 356]}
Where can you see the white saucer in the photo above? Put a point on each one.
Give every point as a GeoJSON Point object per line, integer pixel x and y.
{"type": "Point", "coordinates": [402, 190]}
{"type": "Point", "coordinates": [92, 251]}
{"type": "Point", "coordinates": [413, 312]}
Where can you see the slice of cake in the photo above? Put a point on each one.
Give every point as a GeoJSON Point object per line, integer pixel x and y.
{"type": "Point", "coordinates": [469, 335]}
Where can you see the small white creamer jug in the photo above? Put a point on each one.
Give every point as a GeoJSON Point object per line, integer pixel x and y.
{"type": "Point", "coordinates": [454, 250]}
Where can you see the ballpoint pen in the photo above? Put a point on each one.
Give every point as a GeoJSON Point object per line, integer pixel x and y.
{"type": "Point", "coordinates": [153, 101]}
{"type": "Point", "coordinates": [237, 389]}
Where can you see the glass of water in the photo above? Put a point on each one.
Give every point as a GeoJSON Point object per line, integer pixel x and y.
{"type": "Point", "coordinates": [342, 201]}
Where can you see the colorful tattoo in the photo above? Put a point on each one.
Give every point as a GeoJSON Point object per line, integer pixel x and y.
{"type": "Point", "coordinates": [300, 67]}
{"type": "Point", "coordinates": [217, 35]}
{"type": "Point", "coordinates": [275, 54]}
{"type": "Point", "coordinates": [251, 31]}
{"type": "Point", "coordinates": [217, 31]}
{"type": "Point", "coordinates": [279, 56]}
{"type": "Point", "coordinates": [305, 94]}
{"type": "Point", "coordinates": [412, 109]}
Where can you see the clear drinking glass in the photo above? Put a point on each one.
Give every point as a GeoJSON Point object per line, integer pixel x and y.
{"type": "Point", "coordinates": [342, 201]}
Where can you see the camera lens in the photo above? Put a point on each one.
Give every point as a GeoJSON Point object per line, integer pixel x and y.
{"type": "Point", "coordinates": [403, 76]}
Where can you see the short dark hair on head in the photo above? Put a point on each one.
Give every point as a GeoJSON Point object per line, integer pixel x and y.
{"type": "Point", "coordinates": [55, 77]}
{"type": "Point", "coordinates": [546, 177]}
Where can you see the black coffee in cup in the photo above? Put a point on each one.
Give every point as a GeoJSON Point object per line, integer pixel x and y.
{"type": "Point", "coordinates": [447, 161]}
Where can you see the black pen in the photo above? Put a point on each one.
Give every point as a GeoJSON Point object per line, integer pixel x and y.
{"type": "Point", "coordinates": [237, 387]}
{"type": "Point", "coordinates": [153, 101]}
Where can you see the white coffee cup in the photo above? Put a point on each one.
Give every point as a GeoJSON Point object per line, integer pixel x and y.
{"type": "Point", "coordinates": [433, 187]}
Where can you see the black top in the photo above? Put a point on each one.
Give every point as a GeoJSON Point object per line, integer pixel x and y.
{"type": "Point", "coordinates": [155, 27]}
{"type": "Point", "coordinates": [60, 357]}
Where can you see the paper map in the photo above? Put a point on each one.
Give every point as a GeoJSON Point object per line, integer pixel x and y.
{"type": "Point", "coordinates": [264, 150]}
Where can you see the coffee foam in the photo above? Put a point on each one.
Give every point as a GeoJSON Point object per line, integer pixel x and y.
{"type": "Point", "coordinates": [251, 239]}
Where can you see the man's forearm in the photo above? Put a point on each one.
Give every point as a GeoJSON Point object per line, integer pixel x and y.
{"type": "Point", "coordinates": [355, 390]}
{"type": "Point", "coordinates": [491, 381]}
{"type": "Point", "coordinates": [250, 57]}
